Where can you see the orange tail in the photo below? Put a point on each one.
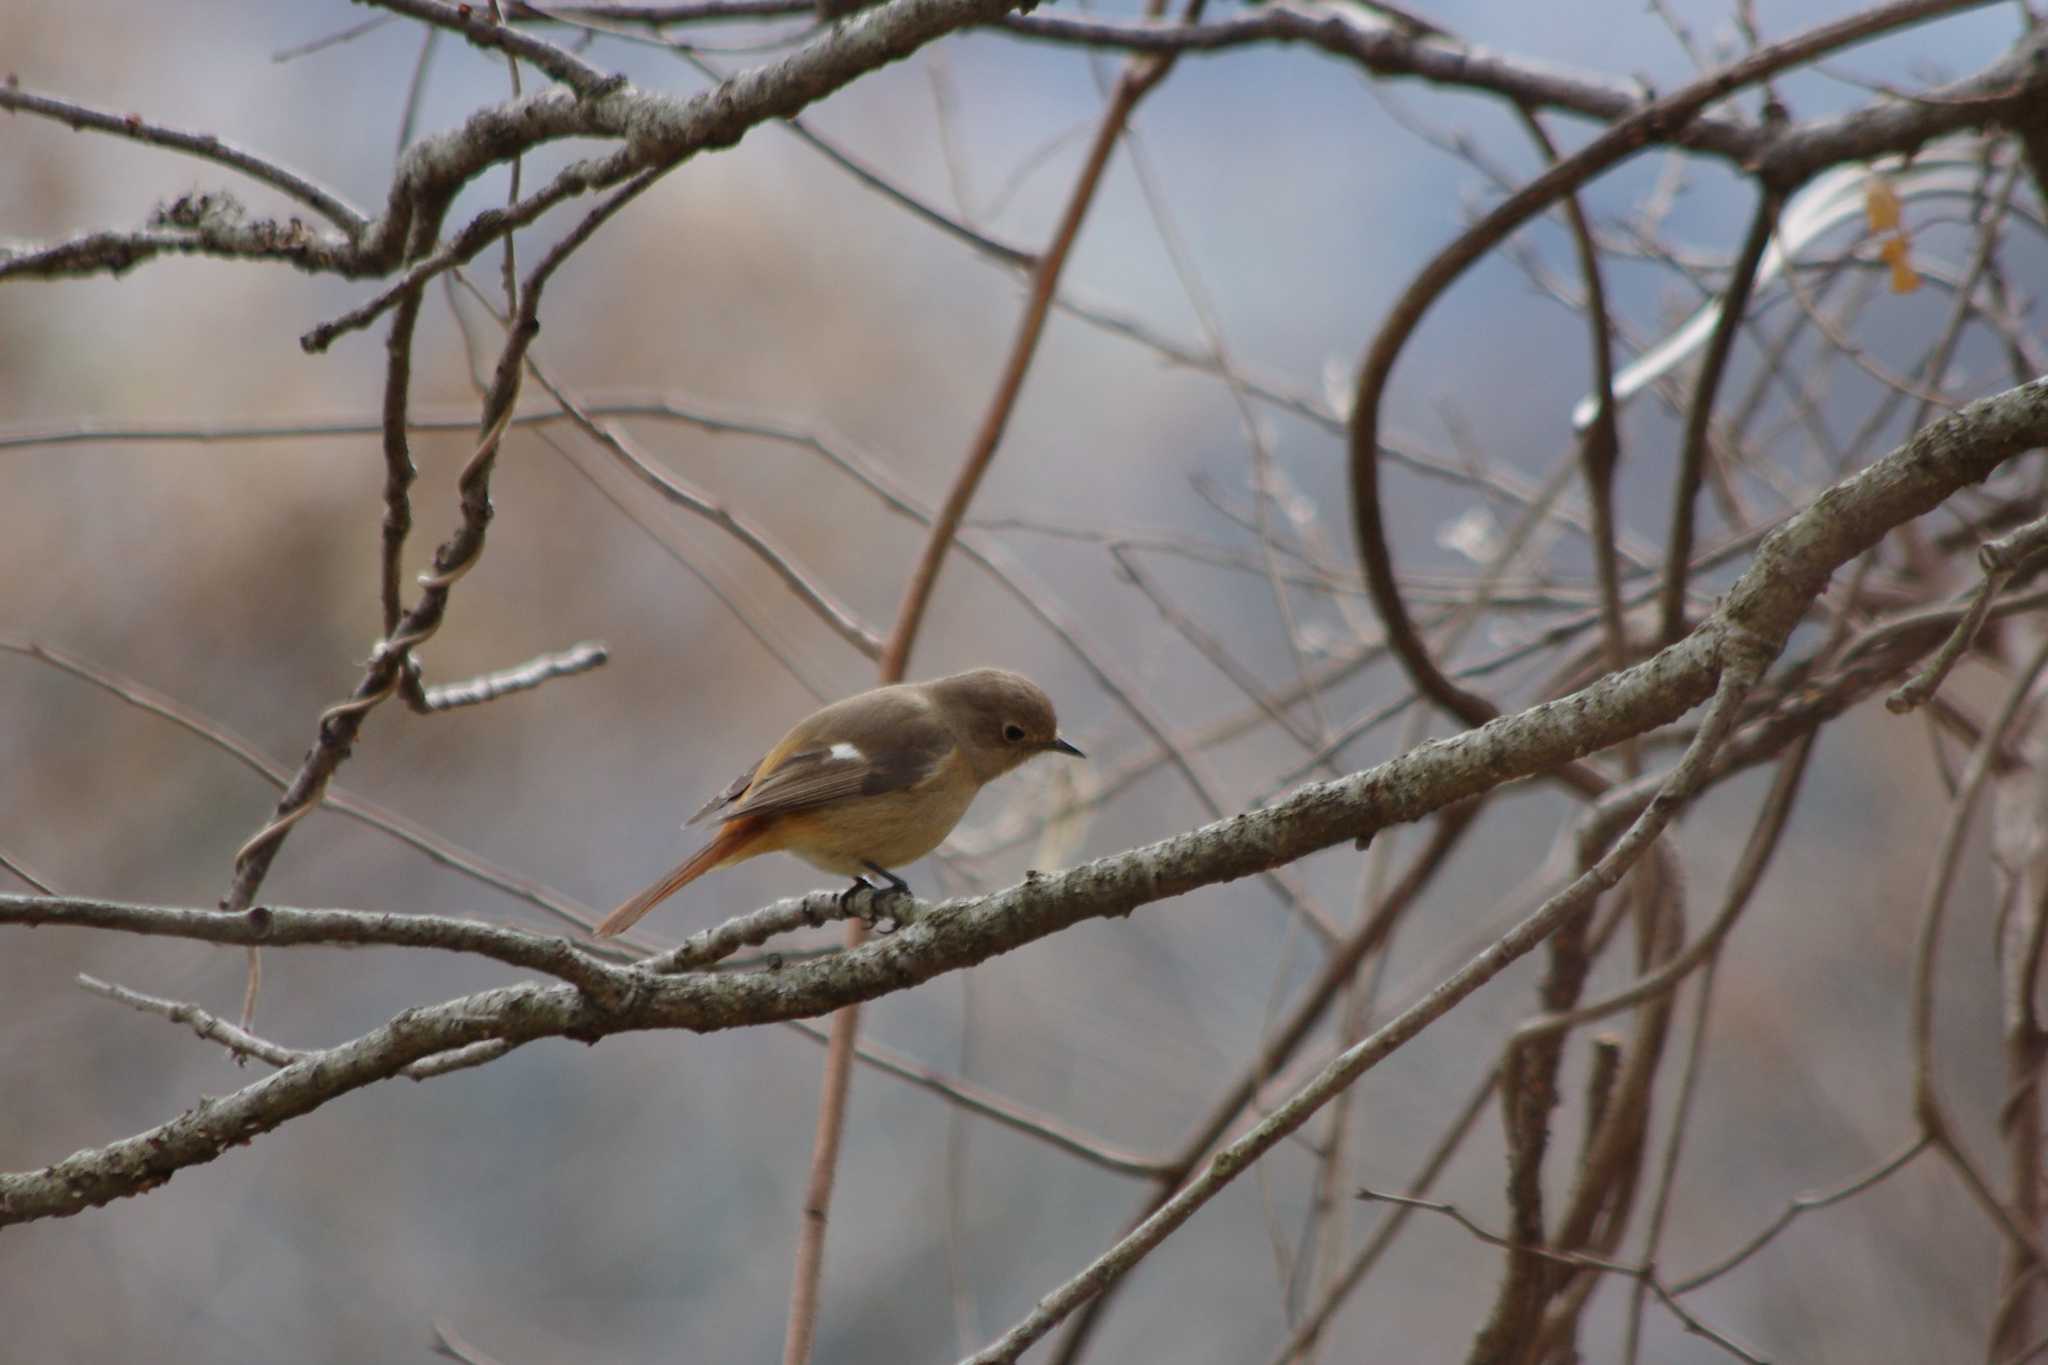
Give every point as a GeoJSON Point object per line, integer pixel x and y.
{"type": "Point", "coordinates": [731, 844]}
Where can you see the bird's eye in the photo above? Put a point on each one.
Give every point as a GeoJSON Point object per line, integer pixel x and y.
{"type": "Point", "coordinates": [1013, 732]}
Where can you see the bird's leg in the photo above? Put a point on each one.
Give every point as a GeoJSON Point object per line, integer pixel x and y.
{"type": "Point", "coordinates": [897, 886]}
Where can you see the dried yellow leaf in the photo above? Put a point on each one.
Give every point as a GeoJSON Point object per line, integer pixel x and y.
{"type": "Point", "coordinates": [1905, 279]}
{"type": "Point", "coordinates": [1881, 204]}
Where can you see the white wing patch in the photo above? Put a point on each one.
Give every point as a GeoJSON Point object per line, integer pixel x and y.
{"type": "Point", "coordinates": [846, 753]}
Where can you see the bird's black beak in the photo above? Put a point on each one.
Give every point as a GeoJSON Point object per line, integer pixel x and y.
{"type": "Point", "coordinates": [1066, 748]}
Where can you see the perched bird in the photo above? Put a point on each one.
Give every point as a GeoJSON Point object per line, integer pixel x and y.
{"type": "Point", "coordinates": [870, 783]}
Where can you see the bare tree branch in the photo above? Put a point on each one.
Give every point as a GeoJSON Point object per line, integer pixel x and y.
{"type": "Point", "coordinates": [476, 27]}
{"type": "Point", "coordinates": [203, 145]}
{"type": "Point", "coordinates": [1612, 676]}
{"type": "Point", "coordinates": [1757, 614]}
{"type": "Point", "coordinates": [285, 926]}
{"type": "Point", "coordinates": [1739, 673]}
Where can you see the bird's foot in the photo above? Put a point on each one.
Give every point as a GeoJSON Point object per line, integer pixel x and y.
{"type": "Point", "coordinates": [850, 905]}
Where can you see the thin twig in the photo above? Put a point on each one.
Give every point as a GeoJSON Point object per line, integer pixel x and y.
{"type": "Point", "coordinates": [806, 587]}
{"type": "Point", "coordinates": [335, 39]}
{"type": "Point", "coordinates": [708, 947]}
{"type": "Point", "coordinates": [2001, 560]}
{"type": "Point", "coordinates": [288, 926]}
{"type": "Point", "coordinates": [1131, 87]}
{"type": "Point", "coordinates": [278, 775]}
{"type": "Point", "coordinates": [999, 1109]}
{"type": "Point", "coordinates": [1284, 1038]}
{"type": "Point", "coordinates": [1927, 1104]}
{"type": "Point", "coordinates": [448, 1343]}
{"type": "Point", "coordinates": [1625, 136]}
{"type": "Point", "coordinates": [206, 146]}
{"type": "Point", "coordinates": [1577, 1260]}
{"type": "Point", "coordinates": [340, 724]}
{"type": "Point", "coordinates": [1699, 415]}
{"type": "Point", "coordinates": [1741, 669]}
{"type": "Point", "coordinates": [524, 677]}
{"type": "Point", "coordinates": [475, 25]}
{"type": "Point", "coordinates": [1804, 1204]}
{"type": "Point", "coordinates": [14, 865]}
{"type": "Point", "coordinates": [1344, 1283]}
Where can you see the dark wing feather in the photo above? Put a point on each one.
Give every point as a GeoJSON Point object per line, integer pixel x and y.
{"type": "Point", "coordinates": [732, 793]}
{"type": "Point", "coordinates": [871, 764]}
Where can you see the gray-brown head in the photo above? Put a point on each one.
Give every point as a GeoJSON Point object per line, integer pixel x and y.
{"type": "Point", "coordinates": [999, 719]}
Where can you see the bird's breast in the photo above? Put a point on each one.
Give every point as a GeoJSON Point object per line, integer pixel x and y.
{"type": "Point", "coordinates": [890, 830]}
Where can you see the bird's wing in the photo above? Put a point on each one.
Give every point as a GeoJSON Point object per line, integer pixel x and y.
{"type": "Point", "coordinates": [867, 760]}
{"type": "Point", "coordinates": [732, 793]}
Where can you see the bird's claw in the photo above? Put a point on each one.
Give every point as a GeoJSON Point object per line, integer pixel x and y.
{"type": "Point", "coordinates": [870, 914]}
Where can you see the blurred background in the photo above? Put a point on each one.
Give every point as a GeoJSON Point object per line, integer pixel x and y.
{"type": "Point", "coordinates": [639, 1200]}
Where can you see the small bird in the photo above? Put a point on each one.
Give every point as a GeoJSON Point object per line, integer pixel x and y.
{"type": "Point", "coordinates": [870, 783]}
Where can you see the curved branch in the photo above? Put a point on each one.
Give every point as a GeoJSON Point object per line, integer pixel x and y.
{"type": "Point", "coordinates": [1692, 460]}
{"type": "Point", "coordinates": [1656, 121]}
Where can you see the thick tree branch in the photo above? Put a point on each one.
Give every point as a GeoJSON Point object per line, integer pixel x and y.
{"type": "Point", "coordinates": [1791, 567]}
{"type": "Point", "coordinates": [1740, 664]}
{"type": "Point", "coordinates": [661, 131]}
{"type": "Point", "coordinates": [1792, 151]}
{"type": "Point", "coordinates": [657, 132]}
